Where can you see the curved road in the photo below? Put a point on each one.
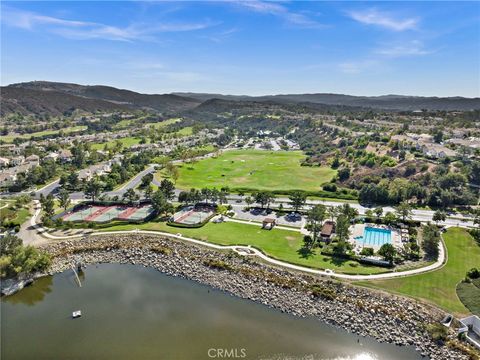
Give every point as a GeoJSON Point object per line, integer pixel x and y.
{"type": "Point", "coordinates": [243, 250]}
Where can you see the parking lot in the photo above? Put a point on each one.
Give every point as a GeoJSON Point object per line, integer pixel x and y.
{"type": "Point", "coordinates": [257, 215]}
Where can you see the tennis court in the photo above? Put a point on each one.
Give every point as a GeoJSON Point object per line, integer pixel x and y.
{"type": "Point", "coordinates": [193, 214]}
{"type": "Point", "coordinates": [102, 213]}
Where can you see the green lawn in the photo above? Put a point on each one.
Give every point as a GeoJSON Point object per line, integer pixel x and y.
{"type": "Point", "coordinates": [167, 122]}
{"type": "Point", "coordinates": [127, 142]}
{"type": "Point", "coordinates": [186, 131]}
{"type": "Point", "coordinates": [256, 170]}
{"type": "Point", "coordinates": [439, 287]}
{"type": "Point", "coordinates": [280, 244]}
{"type": "Point", "coordinates": [10, 138]}
{"type": "Point", "coordinates": [17, 217]}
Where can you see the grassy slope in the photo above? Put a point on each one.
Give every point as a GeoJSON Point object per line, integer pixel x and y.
{"type": "Point", "coordinates": [277, 243]}
{"type": "Point", "coordinates": [439, 286]}
{"type": "Point", "coordinates": [254, 169]}
{"type": "Point", "coordinates": [127, 142]}
{"type": "Point", "coordinates": [161, 124]}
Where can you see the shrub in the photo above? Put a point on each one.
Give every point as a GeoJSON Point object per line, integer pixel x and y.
{"type": "Point", "coordinates": [438, 332]}
{"type": "Point", "coordinates": [217, 264]}
{"type": "Point", "coordinates": [323, 292]}
{"type": "Point", "coordinates": [367, 251]}
{"type": "Point", "coordinates": [473, 273]}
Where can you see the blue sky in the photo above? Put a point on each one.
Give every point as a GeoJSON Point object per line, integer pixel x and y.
{"type": "Point", "coordinates": [247, 47]}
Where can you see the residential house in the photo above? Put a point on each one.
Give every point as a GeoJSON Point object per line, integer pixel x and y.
{"type": "Point", "coordinates": [51, 156]}
{"type": "Point", "coordinates": [33, 160]}
{"type": "Point", "coordinates": [17, 160]}
{"type": "Point", "coordinates": [65, 155]}
{"type": "Point", "coordinates": [7, 179]}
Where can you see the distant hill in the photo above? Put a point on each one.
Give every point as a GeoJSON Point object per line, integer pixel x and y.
{"type": "Point", "coordinates": [44, 97]}
{"type": "Point", "coordinates": [28, 101]}
{"type": "Point", "coordinates": [386, 102]}
{"type": "Point", "coordinates": [129, 99]}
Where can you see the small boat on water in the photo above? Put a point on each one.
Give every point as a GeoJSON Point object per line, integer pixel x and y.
{"type": "Point", "coordinates": [76, 314]}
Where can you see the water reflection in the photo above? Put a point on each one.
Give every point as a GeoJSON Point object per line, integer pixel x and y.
{"type": "Point", "coordinates": [32, 294]}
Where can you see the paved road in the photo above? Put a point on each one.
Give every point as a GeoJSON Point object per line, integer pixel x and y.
{"type": "Point", "coordinates": [41, 232]}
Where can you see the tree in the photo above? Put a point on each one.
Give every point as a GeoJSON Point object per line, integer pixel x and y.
{"type": "Point", "coordinates": [8, 243]}
{"type": "Point", "coordinates": [160, 203]}
{"type": "Point", "coordinates": [332, 212]}
{"type": "Point", "coordinates": [146, 180]}
{"type": "Point", "coordinates": [430, 241]}
{"type": "Point", "coordinates": [263, 198]}
{"type": "Point", "coordinates": [148, 191]}
{"type": "Point", "coordinates": [349, 212]}
{"type": "Point", "coordinates": [342, 228]}
{"type": "Point", "coordinates": [404, 211]}
{"type": "Point", "coordinates": [93, 188]}
{"type": "Point", "coordinates": [48, 207]}
{"type": "Point", "coordinates": [388, 252]}
{"type": "Point", "coordinates": [439, 216]}
{"type": "Point", "coordinates": [64, 199]}
{"type": "Point", "coordinates": [249, 200]}
{"type": "Point", "coordinates": [298, 200]}
{"type": "Point", "coordinates": [167, 188]}
{"type": "Point", "coordinates": [378, 212]}
{"type": "Point", "coordinates": [308, 242]}
{"type": "Point", "coordinates": [316, 215]}
{"type": "Point", "coordinates": [131, 196]}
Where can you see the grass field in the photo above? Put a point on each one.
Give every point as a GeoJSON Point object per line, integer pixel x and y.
{"type": "Point", "coordinates": [280, 244]}
{"type": "Point", "coordinates": [186, 131]}
{"type": "Point", "coordinates": [439, 287]}
{"type": "Point", "coordinates": [127, 142]}
{"type": "Point", "coordinates": [256, 170]}
{"type": "Point", "coordinates": [161, 124]}
{"type": "Point", "coordinates": [10, 138]}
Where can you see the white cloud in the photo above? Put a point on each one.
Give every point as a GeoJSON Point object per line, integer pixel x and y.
{"type": "Point", "coordinates": [91, 30]}
{"type": "Point", "coordinates": [356, 67]}
{"type": "Point", "coordinates": [375, 17]}
{"type": "Point", "coordinates": [413, 48]}
{"type": "Point", "coordinates": [275, 9]}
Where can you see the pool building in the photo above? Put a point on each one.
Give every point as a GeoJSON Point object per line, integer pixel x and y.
{"type": "Point", "coordinates": [373, 236]}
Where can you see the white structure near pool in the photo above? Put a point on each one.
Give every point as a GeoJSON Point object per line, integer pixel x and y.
{"type": "Point", "coordinates": [374, 236]}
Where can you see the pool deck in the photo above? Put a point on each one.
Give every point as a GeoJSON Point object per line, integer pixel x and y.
{"type": "Point", "coordinates": [358, 230]}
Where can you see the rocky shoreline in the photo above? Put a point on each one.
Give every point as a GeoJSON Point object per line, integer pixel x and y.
{"type": "Point", "coordinates": [385, 317]}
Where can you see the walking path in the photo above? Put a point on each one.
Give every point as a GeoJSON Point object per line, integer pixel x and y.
{"type": "Point", "coordinates": [243, 250]}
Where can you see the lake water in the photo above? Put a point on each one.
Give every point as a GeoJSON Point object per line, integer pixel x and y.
{"type": "Point", "coordinates": [132, 312]}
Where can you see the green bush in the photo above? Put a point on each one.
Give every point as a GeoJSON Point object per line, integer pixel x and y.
{"type": "Point", "coordinates": [17, 259]}
{"type": "Point", "coordinates": [473, 273]}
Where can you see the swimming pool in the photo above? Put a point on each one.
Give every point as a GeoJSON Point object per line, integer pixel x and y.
{"type": "Point", "coordinates": [374, 237]}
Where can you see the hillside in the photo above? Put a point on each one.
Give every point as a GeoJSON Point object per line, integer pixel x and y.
{"type": "Point", "coordinates": [130, 99]}
{"type": "Point", "coordinates": [27, 101]}
{"type": "Point", "coordinates": [386, 102]}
